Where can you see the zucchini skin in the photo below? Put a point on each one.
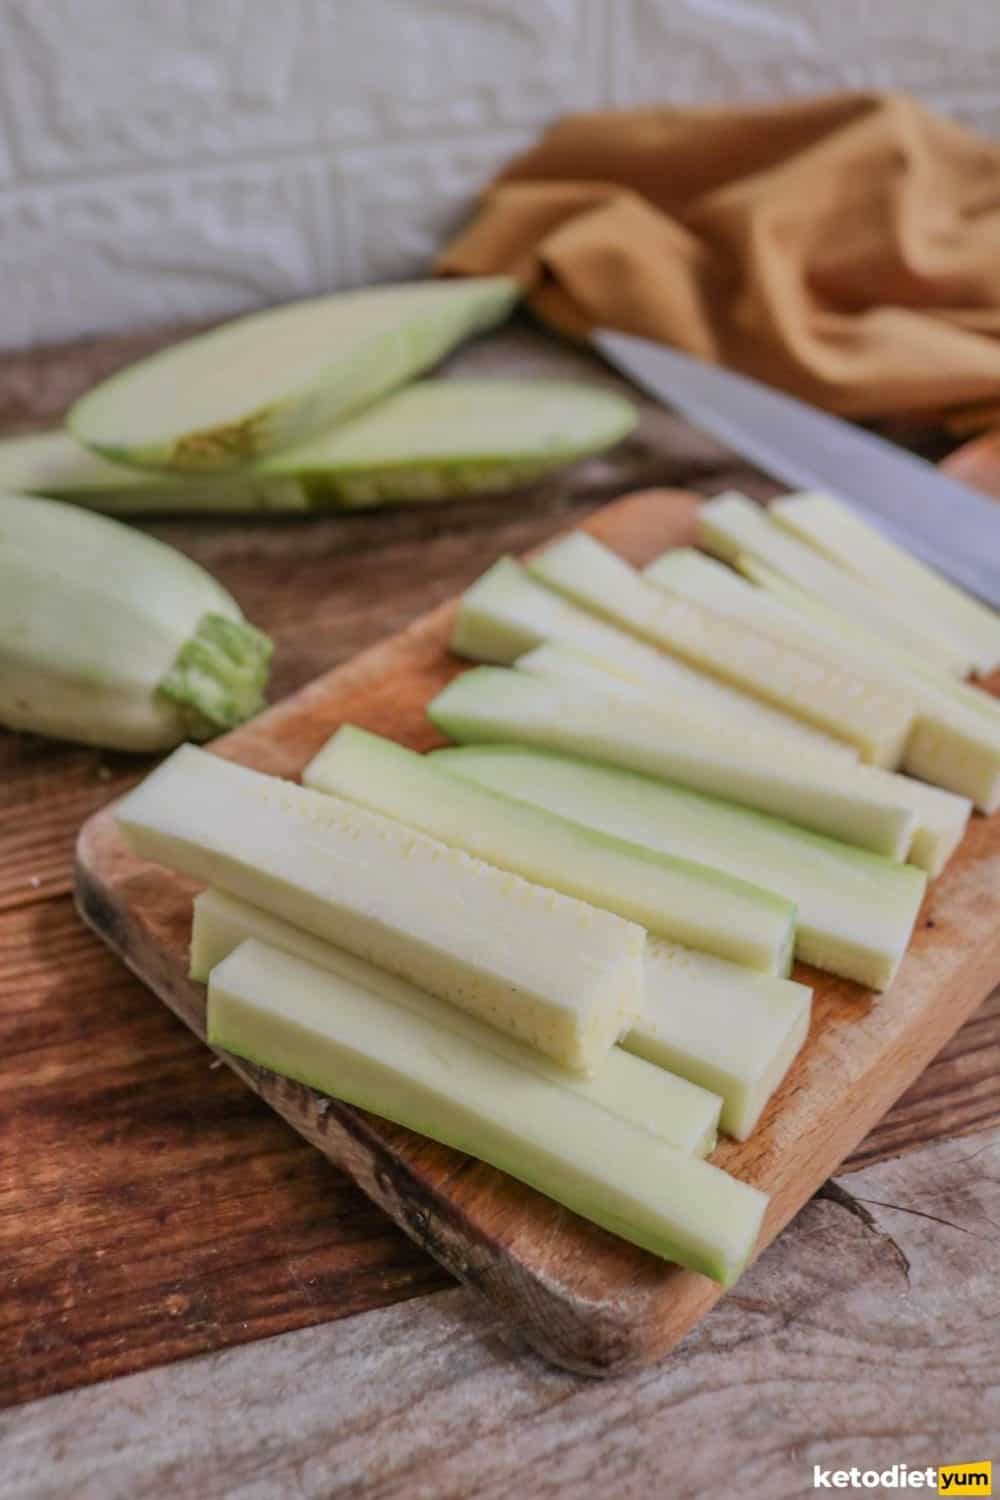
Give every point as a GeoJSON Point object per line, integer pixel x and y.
{"type": "Point", "coordinates": [109, 637]}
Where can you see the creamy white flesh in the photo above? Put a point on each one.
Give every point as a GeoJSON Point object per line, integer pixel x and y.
{"type": "Point", "coordinates": [347, 1041]}
{"type": "Point", "coordinates": [718, 1025]}
{"type": "Point", "coordinates": [731, 524]}
{"type": "Point", "coordinates": [626, 1087]}
{"type": "Point", "coordinates": [855, 910]}
{"type": "Point", "coordinates": [952, 745]}
{"type": "Point", "coordinates": [506, 613]}
{"type": "Point", "coordinates": [679, 899]}
{"type": "Point", "coordinates": [807, 687]}
{"type": "Point", "coordinates": [490, 705]}
{"type": "Point", "coordinates": [942, 816]}
{"type": "Point", "coordinates": [264, 382]}
{"type": "Point", "coordinates": [555, 973]}
{"type": "Point", "coordinates": [842, 535]}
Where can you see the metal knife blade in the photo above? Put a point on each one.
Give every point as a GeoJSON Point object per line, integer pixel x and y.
{"type": "Point", "coordinates": [949, 525]}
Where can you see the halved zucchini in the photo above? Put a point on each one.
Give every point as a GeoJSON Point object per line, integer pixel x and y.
{"type": "Point", "coordinates": [275, 378]}
{"type": "Point", "coordinates": [435, 440]}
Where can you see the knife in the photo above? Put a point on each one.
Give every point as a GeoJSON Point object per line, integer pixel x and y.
{"type": "Point", "coordinates": [949, 525]}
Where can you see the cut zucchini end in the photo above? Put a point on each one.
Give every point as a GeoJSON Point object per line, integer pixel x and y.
{"type": "Point", "coordinates": [724, 1029]}
{"type": "Point", "coordinates": [477, 635]}
{"type": "Point", "coordinates": [218, 678]}
{"type": "Point", "coordinates": [956, 760]}
{"type": "Point", "coordinates": [741, 1122]}
{"type": "Point", "coordinates": [874, 968]}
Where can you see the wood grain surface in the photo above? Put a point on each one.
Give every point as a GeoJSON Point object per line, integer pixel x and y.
{"type": "Point", "coordinates": [865, 1335]}
{"type": "Point", "coordinates": [90, 1065]}
{"type": "Point", "coordinates": [581, 1297]}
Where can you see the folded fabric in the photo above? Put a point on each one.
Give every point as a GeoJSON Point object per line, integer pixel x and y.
{"type": "Point", "coordinates": [846, 249]}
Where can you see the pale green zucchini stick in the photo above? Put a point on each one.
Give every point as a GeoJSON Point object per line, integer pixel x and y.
{"type": "Point", "coordinates": [954, 745]}
{"type": "Point", "coordinates": [942, 815]}
{"type": "Point", "coordinates": [855, 639]}
{"type": "Point", "coordinates": [555, 973]}
{"type": "Point", "coordinates": [847, 539]}
{"type": "Point", "coordinates": [677, 898]}
{"type": "Point", "coordinates": [731, 524]}
{"type": "Point", "coordinates": [491, 705]}
{"type": "Point", "coordinates": [677, 682]}
{"type": "Point", "coordinates": [627, 1087]}
{"type": "Point", "coordinates": [855, 910]}
{"type": "Point", "coordinates": [317, 1027]}
{"type": "Point", "coordinates": [276, 378]}
{"type": "Point", "coordinates": [433, 440]}
{"type": "Point", "coordinates": [110, 637]}
{"type": "Point", "coordinates": [733, 1031]}
{"type": "Point", "coordinates": [506, 613]}
{"type": "Point", "coordinates": [808, 687]}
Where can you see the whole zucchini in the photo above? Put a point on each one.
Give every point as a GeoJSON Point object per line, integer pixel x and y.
{"type": "Point", "coordinates": [110, 637]}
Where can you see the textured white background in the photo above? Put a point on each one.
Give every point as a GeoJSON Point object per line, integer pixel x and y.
{"type": "Point", "coordinates": [165, 159]}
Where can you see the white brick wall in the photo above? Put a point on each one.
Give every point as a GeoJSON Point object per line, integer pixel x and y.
{"type": "Point", "coordinates": [165, 159]}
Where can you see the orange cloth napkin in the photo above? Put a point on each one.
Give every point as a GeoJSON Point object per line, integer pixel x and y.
{"type": "Point", "coordinates": [846, 249]}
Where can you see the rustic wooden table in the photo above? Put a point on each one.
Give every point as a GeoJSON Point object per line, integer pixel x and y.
{"type": "Point", "coordinates": [152, 1209]}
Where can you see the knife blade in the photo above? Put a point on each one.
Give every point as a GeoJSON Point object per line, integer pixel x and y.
{"type": "Point", "coordinates": [949, 525]}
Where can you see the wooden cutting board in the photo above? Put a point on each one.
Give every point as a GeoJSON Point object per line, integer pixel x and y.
{"type": "Point", "coordinates": [584, 1299]}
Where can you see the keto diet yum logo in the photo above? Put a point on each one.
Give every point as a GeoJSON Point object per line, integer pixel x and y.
{"type": "Point", "coordinates": [947, 1479]}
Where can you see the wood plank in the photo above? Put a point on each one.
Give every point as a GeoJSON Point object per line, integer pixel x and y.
{"type": "Point", "coordinates": [584, 1299]}
{"type": "Point", "coordinates": [866, 1335]}
{"type": "Point", "coordinates": [151, 1207]}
